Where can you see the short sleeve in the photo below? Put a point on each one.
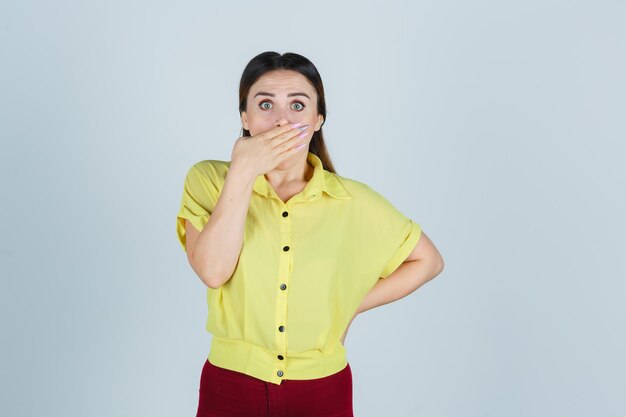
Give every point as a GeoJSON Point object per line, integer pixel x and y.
{"type": "Point", "coordinates": [198, 200]}
{"type": "Point", "coordinates": [394, 235]}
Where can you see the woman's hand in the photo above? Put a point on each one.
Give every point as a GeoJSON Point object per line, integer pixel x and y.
{"type": "Point", "coordinates": [263, 152]}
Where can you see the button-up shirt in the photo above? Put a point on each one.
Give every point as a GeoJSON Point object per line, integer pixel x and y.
{"type": "Point", "coordinates": [304, 268]}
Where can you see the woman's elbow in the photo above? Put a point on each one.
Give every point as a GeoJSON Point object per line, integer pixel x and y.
{"type": "Point", "coordinates": [439, 265]}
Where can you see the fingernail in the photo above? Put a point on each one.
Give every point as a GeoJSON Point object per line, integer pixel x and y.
{"type": "Point", "coordinates": [296, 124]}
{"type": "Point", "coordinates": [301, 135]}
{"type": "Point", "coordinates": [304, 127]}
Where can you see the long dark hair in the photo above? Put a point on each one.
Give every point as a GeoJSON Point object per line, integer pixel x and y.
{"type": "Point", "coordinates": [269, 61]}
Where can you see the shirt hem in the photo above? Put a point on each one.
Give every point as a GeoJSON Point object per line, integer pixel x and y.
{"type": "Point", "coordinates": [261, 363]}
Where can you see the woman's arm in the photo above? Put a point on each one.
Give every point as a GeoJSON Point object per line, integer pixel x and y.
{"type": "Point", "coordinates": [214, 252]}
{"type": "Point", "coordinates": [422, 265]}
{"type": "Point", "coordinates": [409, 276]}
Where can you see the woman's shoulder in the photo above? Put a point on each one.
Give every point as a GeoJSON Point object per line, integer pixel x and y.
{"type": "Point", "coordinates": [370, 201]}
{"type": "Point", "coordinates": [211, 165]}
{"type": "Point", "coordinates": [213, 170]}
{"type": "Point", "coordinates": [356, 188]}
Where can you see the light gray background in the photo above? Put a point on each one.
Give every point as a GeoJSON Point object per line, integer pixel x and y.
{"type": "Point", "coordinates": [498, 126]}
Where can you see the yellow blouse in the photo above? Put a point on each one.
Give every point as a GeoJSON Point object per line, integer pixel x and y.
{"type": "Point", "coordinates": [304, 268]}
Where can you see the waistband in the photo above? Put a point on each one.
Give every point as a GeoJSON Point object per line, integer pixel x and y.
{"type": "Point", "coordinates": [261, 363]}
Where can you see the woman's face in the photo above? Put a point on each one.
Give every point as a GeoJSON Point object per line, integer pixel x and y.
{"type": "Point", "coordinates": [281, 97]}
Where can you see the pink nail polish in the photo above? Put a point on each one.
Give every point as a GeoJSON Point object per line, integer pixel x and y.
{"type": "Point", "coordinates": [301, 135]}
{"type": "Point", "coordinates": [296, 124]}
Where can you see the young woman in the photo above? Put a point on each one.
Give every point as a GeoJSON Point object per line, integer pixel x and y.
{"type": "Point", "coordinates": [290, 252]}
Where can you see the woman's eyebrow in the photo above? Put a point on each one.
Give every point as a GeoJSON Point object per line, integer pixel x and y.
{"type": "Point", "coordinates": [263, 93]}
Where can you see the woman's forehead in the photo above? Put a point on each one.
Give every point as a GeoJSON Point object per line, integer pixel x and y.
{"type": "Point", "coordinates": [282, 83]}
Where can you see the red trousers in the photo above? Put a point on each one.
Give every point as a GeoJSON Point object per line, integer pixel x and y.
{"type": "Point", "coordinates": [227, 393]}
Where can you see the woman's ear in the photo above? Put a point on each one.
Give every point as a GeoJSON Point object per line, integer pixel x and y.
{"type": "Point", "coordinates": [320, 121]}
{"type": "Point", "coordinates": [244, 120]}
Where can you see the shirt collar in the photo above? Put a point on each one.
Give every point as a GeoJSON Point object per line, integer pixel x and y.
{"type": "Point", "coordinates": [322, 180]}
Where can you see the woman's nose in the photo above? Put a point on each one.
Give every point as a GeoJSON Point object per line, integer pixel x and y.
{"type": "Point", "coordinates": [282, 122]}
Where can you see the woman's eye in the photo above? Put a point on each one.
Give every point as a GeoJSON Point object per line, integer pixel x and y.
{"type": "Point", "coordinates": [269, 105]}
